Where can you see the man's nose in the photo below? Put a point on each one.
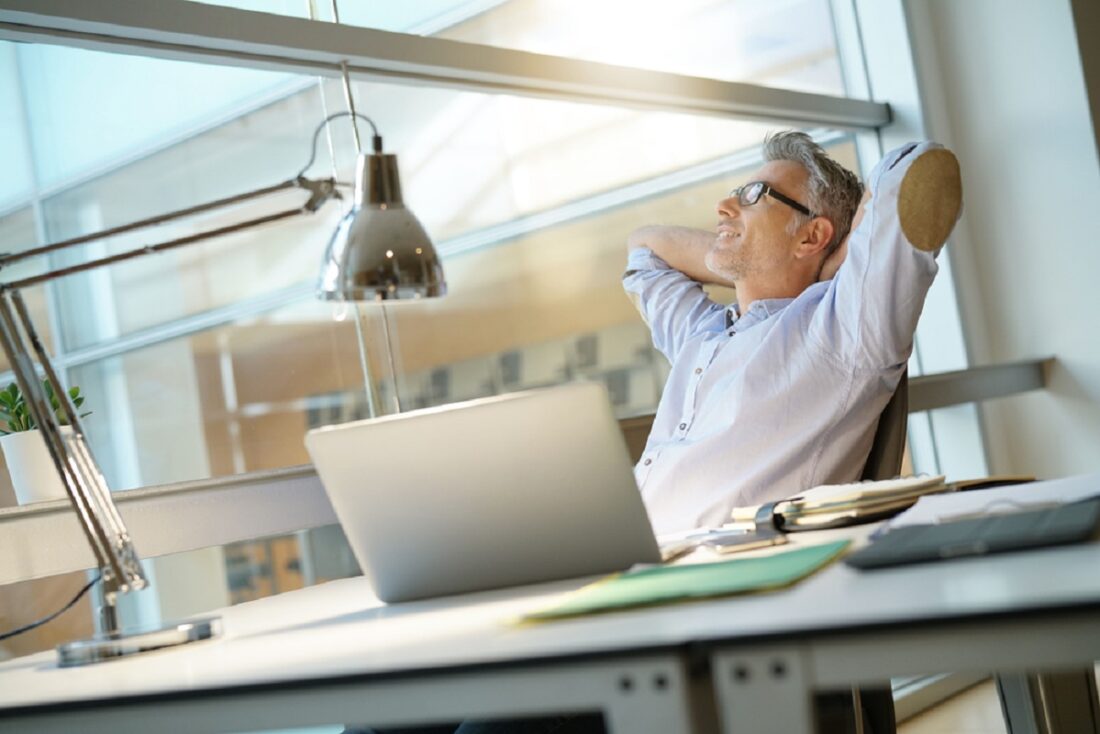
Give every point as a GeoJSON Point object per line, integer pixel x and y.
{"type": "Point", "coordinates": [729, 207]}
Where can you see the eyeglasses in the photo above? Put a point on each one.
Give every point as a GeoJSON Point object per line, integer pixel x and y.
{"type": "Point", "coordinates": [751, 192]}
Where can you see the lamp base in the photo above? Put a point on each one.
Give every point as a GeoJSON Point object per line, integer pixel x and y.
{"type": "Point", "coordinates": [114, 645]}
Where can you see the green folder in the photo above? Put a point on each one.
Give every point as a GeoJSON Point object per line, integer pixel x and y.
{"type": "Point", "coordinates": [664, 584]}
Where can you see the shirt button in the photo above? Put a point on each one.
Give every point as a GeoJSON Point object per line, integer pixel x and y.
{"type": "Point", "coordinates": [648, 462]}
{"type": "Point", "coordinates": [683, 426]}
{"type": "Point", "coordinates": [698, 370]}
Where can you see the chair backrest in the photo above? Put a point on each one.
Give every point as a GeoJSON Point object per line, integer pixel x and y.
{"type": "Point", "coordinates": [888, 446]}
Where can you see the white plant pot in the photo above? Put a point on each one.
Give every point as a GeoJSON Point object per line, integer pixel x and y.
{"type": "Point", "coordinates": [33, 474]}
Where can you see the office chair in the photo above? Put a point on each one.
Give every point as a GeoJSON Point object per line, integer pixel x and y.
{"type": "Point", "coordinates": [888, 445]}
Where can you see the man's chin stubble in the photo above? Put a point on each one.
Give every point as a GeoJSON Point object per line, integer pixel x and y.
{"type": "Point", "coordinates": [727, 271]}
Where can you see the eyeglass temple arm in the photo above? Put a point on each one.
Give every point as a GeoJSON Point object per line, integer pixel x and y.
{"type": "Point", "coordinates": [789, 201]}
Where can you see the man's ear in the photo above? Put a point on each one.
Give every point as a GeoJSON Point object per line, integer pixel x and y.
{"type": "Point", "coordinates": [816, 236]}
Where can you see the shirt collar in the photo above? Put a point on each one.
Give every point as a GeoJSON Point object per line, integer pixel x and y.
{"type": "Point", "coordinates": [759, 311]}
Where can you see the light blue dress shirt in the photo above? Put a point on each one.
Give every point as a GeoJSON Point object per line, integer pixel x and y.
{"type": "Point", "coordinates": [762, 405]}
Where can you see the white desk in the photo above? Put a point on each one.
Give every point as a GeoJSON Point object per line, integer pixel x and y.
{"type": "Point", "coordinates": [330, 654]}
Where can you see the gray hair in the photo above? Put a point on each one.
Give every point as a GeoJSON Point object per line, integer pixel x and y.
{"type": "Point", "coordinates": [834, 192]}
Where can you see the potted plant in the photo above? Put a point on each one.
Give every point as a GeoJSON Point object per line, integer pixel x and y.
{"type": "Point", "coordinates": [33, 475]}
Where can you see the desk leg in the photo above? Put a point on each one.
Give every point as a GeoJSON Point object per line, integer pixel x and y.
{"type": "Point", "coordinates": [1050, 703]}
{"type": "Point", "coordinates": [765, 691]}
{"type": "Point", "coordinates": [647, 697]}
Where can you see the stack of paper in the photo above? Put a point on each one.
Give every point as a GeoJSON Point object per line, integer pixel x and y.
{"type": "Point", "coordinates": [980, 503]}
{"type": "Point", "coordinates": [835, 505]}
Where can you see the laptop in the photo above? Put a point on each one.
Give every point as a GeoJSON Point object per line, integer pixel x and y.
{"type": "Point", "coordinates": [502, 491]}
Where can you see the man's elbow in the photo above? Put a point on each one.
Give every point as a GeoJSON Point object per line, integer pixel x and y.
{"type": "Point", "coordinates": [642, 237]}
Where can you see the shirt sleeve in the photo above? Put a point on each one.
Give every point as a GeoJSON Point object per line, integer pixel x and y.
{"type": "Point", "coordinates": [870, 309]}
{"type": "Point", "coordinates": [674, 306]}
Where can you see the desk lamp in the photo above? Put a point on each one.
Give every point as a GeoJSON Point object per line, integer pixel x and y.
{"type": "Point", "coordinates": [379, 252]}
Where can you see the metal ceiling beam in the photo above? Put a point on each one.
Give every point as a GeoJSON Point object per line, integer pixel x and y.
{"type": "Point", "coordinates": [188, 31]}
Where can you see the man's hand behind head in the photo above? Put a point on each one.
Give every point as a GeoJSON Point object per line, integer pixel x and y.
{"type": "Point", "coordinates": [836, 257]}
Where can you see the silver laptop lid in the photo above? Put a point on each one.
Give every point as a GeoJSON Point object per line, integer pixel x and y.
{"type": "Point", "coordinates": [501, 491]}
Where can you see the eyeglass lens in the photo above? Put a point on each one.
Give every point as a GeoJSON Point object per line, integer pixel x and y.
{"type": "Point", "coordinates": [748, 194]}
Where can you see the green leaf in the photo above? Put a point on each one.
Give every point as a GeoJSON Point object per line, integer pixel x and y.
{"type": "Point", "coordinates": [16, 415]}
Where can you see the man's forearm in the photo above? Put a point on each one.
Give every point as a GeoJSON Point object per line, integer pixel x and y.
{"type": "Point", "coordinates": [683, 248]}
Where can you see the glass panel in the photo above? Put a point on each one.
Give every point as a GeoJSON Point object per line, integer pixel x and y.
{"type": "Point", "coordinates": [17, 184]}
{"type": "Point", "coordinates": [476, 160]}
{"type": "Point", "coordinates": [785, 43]}
{"type": "Point", "coordinates": [257, 150]}
{"type": "Point", "coordinates": [18, 233]}
{"type": "Point", "coordinates": [223, 401]}
{"type": "Point", "coordinates": [90, 110]}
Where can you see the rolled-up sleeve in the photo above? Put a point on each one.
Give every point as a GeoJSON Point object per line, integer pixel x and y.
{"type": "Point", "coordinates": [870, 310]}
{"type": "Point", "coordinates": [674, 306]}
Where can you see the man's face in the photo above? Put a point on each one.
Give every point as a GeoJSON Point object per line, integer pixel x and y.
{"type": "Point", "coordinates": [753, 242]}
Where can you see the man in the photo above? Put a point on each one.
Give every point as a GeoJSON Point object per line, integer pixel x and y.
{"type": "Point", "coordinates": [782, 391]}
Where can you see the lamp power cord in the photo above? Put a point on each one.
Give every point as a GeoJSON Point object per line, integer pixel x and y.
{"type": "Point", "coordinates": [55, 615]}
{"type": "Point", "coordinates": [376, 139]}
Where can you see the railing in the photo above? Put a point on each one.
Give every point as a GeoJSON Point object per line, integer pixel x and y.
{"type": "Point", "coordinates": [45, 539]}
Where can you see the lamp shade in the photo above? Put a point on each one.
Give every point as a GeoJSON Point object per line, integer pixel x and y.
{"type": "Point", "coordinates": [379, 251]}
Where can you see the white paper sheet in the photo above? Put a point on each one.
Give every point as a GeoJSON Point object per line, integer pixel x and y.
{"type": "Point", "coordinates": [958, 505]}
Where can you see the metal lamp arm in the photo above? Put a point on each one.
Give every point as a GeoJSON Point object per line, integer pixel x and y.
{"type": "Point", "coordinates": [9, 258]}
{"type": "Point", "coordinates": [320, 192]}
{"type": "Point", "coordinates": [99, 519]}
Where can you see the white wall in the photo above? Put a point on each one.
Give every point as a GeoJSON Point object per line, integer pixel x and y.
{"type": "Point", "coordinates": [1004, 86]}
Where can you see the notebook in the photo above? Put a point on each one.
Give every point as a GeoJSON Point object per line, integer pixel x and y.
{"type": "Point", "coordinates": [667, 584]}
{"type": "Point", "coordinates": [495, 492]}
